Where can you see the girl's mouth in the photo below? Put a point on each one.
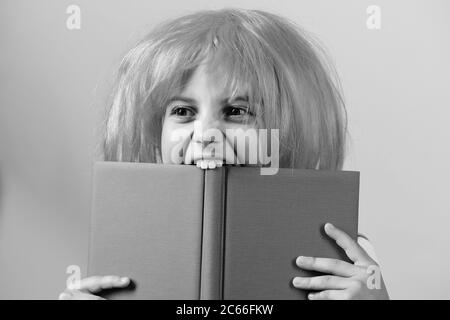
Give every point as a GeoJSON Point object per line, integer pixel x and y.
{"type": "Point", "coordinates": [209, 163]}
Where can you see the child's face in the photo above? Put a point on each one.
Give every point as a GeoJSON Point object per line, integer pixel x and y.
{"type": "Point", "coordinates": [204, 105]}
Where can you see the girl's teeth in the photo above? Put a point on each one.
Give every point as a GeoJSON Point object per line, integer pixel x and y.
{"type": "Point", "coordinates": [209, 164]}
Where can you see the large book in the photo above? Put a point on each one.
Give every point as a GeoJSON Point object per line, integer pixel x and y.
{"type": "Point", "coordinates": [180, 232]}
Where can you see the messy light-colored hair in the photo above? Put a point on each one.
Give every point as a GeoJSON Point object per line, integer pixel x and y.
{"type": "Point", "coordinates": [291, 85]}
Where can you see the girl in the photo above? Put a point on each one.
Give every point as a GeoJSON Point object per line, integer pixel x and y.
{"type": "Point", "coordinates": [234, 69]}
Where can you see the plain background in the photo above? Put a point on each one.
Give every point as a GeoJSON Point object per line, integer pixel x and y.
{"type": "Point", "coordinates": [53, 84]}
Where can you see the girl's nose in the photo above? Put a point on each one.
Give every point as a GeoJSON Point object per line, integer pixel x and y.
{"type": "Point", "coordinates": [206, 131]}
{"type": "Point", "coordinates": [205, 142]}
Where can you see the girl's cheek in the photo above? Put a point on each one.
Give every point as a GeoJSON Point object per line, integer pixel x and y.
{"type": "Point", "coordinates": [174, 138]}
{"type": "Point", "coordinates": [244, 140]}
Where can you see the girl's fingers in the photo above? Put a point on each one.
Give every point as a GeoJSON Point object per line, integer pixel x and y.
{"type": "Point", "coordinates": [77, 295]}
{"type": "Point", "coordinates": [321, 283]}
{"type": "Point", "coordinates": [330, 295]}
{"type": "Point", "coordinates": [327, 265]}
{"type": "Point", "coordinates": [350, 246]}
{"type": "Point", "coordinates": [97, 283]}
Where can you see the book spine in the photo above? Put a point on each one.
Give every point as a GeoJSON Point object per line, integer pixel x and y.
{"type": "Point", "coordinates": [212, 242]}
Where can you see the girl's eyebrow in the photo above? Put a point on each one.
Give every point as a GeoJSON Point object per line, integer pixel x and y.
{"type": "Point", "coordinates": [224, 101]}
{"type": "Point", "coordinates": [182, 98]}
{"type": "Point", "coordinates": [235, 99]}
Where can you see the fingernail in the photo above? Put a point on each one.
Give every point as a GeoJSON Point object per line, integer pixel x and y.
{"type": "Point", "coordinates": [329, 225]}
{"type": "Point", "coordinates": [301, 260]}
{"type": "Point", "coordinates": [124, 280]}
{"type": "Point", "coordinates": [310, 296]}
{"type": "Point", "coordinates": [297, 281]}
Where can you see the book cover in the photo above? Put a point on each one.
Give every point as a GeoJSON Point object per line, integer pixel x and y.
{"type": "Point", "coordinates": [180, 232]}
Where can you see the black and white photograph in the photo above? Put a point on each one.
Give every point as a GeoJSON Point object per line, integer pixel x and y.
{"type": "Point", "coordinates": [224, 150]}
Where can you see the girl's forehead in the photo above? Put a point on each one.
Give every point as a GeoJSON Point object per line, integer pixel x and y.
{"type": "Point", "coordinates": [205, 81]}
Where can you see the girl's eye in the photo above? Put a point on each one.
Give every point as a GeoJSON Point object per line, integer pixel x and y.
{"type": "Point", "coordinates": [235, 112]}
{"type": "Point", "coordinates": [182, 112]}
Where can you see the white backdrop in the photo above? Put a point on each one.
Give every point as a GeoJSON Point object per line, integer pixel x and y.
{"type": "Point", "coordinates": [53, 86]}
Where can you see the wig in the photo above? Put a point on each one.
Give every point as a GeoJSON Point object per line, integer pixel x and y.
{"type": "Point", "coordinates": [291, 85]}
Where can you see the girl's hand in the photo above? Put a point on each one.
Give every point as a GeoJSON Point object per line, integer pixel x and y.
{"type": "Point", "coordinates": [94, 284]}
{"type": "Point", "coordinates": [344, 280]}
